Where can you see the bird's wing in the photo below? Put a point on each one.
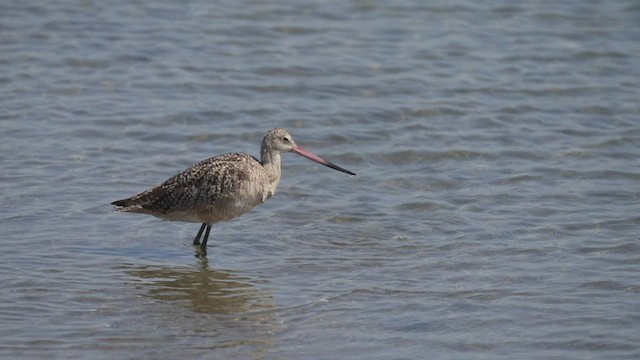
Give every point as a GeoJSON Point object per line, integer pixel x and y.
{"type": "Point", "coordinates": [198, 186]}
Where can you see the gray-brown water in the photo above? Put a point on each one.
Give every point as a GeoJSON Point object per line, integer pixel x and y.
{"type": "Point", "coordinates": [495, 213]}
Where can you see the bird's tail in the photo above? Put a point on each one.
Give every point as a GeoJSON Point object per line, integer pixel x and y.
{"type": "Point", "coordinates": [122, 204]}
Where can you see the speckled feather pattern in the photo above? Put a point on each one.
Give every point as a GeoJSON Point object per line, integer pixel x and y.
{"type": "Point", "coordinates": [215, 189]}
{"type": "Point", "coordinates": [222, 187]}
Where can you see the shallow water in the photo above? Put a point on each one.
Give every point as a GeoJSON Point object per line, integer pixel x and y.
{"type": "Point", "coordinates": [495, 213]}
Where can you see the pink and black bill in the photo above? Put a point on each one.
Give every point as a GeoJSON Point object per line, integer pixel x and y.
{"type": "Point", "coordinates": [300, 151]}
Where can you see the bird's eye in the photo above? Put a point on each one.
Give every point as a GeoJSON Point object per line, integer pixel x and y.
{"type": "Point", "coordinates": [285, 139]}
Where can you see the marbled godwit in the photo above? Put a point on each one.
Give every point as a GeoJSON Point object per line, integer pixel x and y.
{"type": "Point", "coordinates": [220, 188]}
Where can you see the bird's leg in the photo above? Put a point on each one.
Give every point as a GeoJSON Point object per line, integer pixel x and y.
{"type": "Point", "coordinates": [196, 241]}
{"type": "Point", "coordinates": [203, 247]}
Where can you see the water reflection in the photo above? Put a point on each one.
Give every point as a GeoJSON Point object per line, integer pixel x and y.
{"type": "Point", "coordinates": [234, 314]}
{"type": "Point", "coordinates": [203, 289]}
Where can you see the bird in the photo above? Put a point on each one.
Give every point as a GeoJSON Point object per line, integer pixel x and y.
{"type": "Point", "coordinates": [220, 188]}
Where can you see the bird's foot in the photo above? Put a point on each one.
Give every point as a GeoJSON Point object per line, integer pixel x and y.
{"type": "Point", "coordinates": [200, 252]}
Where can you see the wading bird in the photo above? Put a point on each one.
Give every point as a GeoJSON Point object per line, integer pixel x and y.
{"type": "Point", "coordinates": [220, 188]}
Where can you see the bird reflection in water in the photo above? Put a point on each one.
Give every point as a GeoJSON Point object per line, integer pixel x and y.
{"type": "Point", "coordinates": [205, 290]}
{"type": "Point", "coordinates": [234, 314]}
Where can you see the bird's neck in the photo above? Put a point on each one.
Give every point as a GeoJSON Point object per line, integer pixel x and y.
{"type": "Point", "coordinates": [270, 160]}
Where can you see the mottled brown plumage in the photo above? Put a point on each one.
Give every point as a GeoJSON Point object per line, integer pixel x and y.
{"type": "Point", "coordinates": [219, 188]}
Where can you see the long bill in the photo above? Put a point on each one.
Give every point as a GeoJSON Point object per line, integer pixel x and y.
{"type": "Point", "coordinates": [300, 151]}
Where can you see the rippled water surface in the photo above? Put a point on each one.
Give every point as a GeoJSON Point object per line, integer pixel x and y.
{"type": "Point", "coordinates": [495, 213]}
